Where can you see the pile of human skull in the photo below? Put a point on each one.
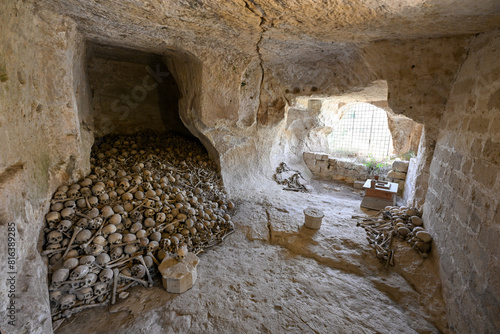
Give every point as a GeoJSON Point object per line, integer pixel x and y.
{"type": "Point", "coordinates": [401, 222]}
{"type": "Point", "coordinates": [147, 197]}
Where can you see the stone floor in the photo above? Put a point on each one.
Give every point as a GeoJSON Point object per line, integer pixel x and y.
{"type": "Point", "coordinates": [275, 276]}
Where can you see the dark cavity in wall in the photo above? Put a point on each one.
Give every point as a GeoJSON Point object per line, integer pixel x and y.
{"type": "Point", "coordinates": [132, 91]}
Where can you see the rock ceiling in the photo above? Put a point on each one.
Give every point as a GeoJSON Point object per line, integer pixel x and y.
{"type": "Point", "coordinates": [243, 23]}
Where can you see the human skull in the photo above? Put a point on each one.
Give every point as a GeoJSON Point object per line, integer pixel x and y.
{"type": "Point", "coordinates": [100, 240]}
{"type": "Point", "coordinates": [115, 238]}
{"type": "Point", "coordinates": [98, 190]}
{"type": "Point", "coordinates": [71, 263]}
{"type": "Point", "coordinates": [95, 223]}
{"type": "Point", "coordinates": [58, 277]}
{"type": "Point", "coordinates": [64, 226]}
{"type": "Point", "coordinates": [106, 275]}
{"type": "Point", "coordinates": [127, 197]}
{"type": "Point", "coordinates": [115, 219]}
{"type": "Point", "coordinates": [95, 250]}
{"type": "Point", "coordinates": [85, 293]}
{"type": "Point", "coordinates": [73, 193]}
{"type": "Point", "coordinates": [107, 211]}
{"type": "Point", "coordinates": [93, 201]}
{"type": "Point", "coordinates": [79, 272]}
{"type": "Point", "coordinates": [148, 260]}
{"type": "Point", "coordinates": [135, 228]}
{"type": "Point", "coordinates": [153, 246]}
{"type": "Point", "coordinates": [127, 222]}
{"type": "Point", "coordinates": [53, 218]}
{"type": "Point", "coordinates": [104, 199]}
{"type": "Point", "coordinates": [161, 217]}
{"type": "Point", "coordinates": [70, 204]}
{"type": "Point", "coordinates": [94, 213]}
{"type": "Point", "coordinates": [136, 181]}
{"type": "Point", "coordinates": [54, 237]}
{"type": "Point", "coordinates": [138, 271]}
{"type": "Point", "coordinates": [86, 182]}
{"type": "Point", "coordinates": [158, 205]}
{"type": "Point", "coordinates": [129, 237]}
{"type": "Point", "coordinates": [100, 289]}
{"type": "Point", "coordinates": [82, 223]}
{"type": "Point", "coordinates": [136, 216]}
{"type": "Point", "coordinates": [55, 296]}
{"type": "Point", "coordinates": [182, 252]}
{"type": "Point", "coordinates": [112, 195]}
{"type": "Point", "coordinates": [67, 301]}
{"type": "Point", "coordinates": [108, 229]}
{"type": "Point", "coordinates": [155, 236]}
{"type": "Point", "coordinates": [87, 260]}
{"type": "Point", "coordinates": [68, 213]}
{"type": "Point", "coordinates": [139, 195]}
{"type": "Point", "coordinates": [86, 192]}
{"type": "Point", "coordinates": [116, 253]}
{"type": "Point", "coordinates": [130, 249]}
{"type": "Point", "coordinates": [83, 236]}
{"type": "Point", "coordinates": [89, 279]}
{"type": "Point", "coordinates": [120, 228]}
{"type": "Point", "coordinates": [149, 222]}
{"type": "Point", "coordinates": [141, 234]}
{"type": "Point", "coordinates": [124, 184]}
{"type": "Point", "coordinates": [60, 195]}
{"type": "Point", "coordinates": [103, 259]}
{"type": "Point", "coordinates": [57, 207]}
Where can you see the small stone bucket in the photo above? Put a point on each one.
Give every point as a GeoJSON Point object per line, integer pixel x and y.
{"type": "Point", "coordinates": [314, 217]}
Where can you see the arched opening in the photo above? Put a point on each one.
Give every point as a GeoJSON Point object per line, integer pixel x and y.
{"type": "Point", "coordinates": [133, 91]}
{"type": "Point", "coordinates": [362, 131]}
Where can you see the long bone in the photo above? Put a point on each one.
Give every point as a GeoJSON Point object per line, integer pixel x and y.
{"type": "Point", "coordinates": [150, 280]}
{"type": "Point", "coordinates": [75, 232]}
{"type": "Point", "coordinates": [134, 279]}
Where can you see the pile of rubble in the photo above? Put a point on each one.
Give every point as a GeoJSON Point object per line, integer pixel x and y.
{"type": "Point", "coordinates": [148, 197]}
{"type": "Point", "coordinates": [396, 222]}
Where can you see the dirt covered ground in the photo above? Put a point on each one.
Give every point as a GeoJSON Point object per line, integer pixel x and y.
{"type": "Point", "coordinates": [273, 275]}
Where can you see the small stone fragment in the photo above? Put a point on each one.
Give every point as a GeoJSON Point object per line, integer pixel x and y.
{"type": "Point", "coordinates": [123, 295]}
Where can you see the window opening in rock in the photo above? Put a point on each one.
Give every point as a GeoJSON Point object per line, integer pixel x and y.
{"type": "Point", "coordinates": [133, 91]}
{"type": "Point", "coordinates": [362, 131]}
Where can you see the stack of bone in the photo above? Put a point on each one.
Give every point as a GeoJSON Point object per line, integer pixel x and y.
{"type": "Point", "coordinates": [146, 198]}
{"type": "Point", "coordinates": [291, 179]}
{"type": "Point", "coordinates": [396, 222]}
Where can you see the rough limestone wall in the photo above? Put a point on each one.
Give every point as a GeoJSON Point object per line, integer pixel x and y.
{"type": "Point", "coordinates": [462, 209]}
{"type": "Point", "coordinates": [419, 75]}
{"type": "Point", "coordinates": [323, 166]}
{"type": "Point", "coordinates": [44, 142]}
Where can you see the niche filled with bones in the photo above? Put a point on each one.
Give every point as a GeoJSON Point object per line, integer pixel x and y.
{"type": "Point", "coordinates": [152, 193]}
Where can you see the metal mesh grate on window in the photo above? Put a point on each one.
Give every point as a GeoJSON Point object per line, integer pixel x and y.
{"type": "Point", "coordinates": [362, 130]}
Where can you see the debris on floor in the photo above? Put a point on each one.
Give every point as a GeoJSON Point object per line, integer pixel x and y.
{"type": "Point", "coordinates": [291, 179]}
{"type": "Point", "coordinates": [179, 275]}
{"type": "Point", "coordinates": [148, 197]}
{"type": "Point", "coordinates": [396, 222]}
